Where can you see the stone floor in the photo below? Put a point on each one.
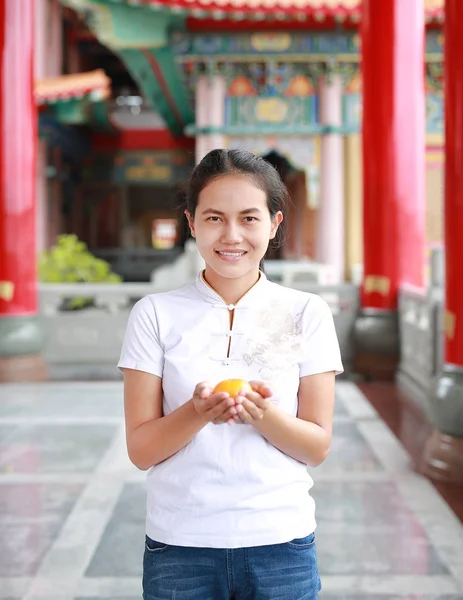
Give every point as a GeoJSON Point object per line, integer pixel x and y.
{"type": "Point", "coordinates": [72, 506]}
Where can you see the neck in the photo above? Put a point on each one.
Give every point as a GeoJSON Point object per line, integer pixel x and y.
{"type": "Point", "coordinates": [231, 290]}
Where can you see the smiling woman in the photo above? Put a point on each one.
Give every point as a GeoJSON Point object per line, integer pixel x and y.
{"type": "Point", "coordinates": [228, 461]}
{"type": "Point", "coordinates": [234, 208]}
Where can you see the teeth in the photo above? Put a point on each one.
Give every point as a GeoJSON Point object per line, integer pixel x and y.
{"type": "Point", "coordinates": [231, 253]}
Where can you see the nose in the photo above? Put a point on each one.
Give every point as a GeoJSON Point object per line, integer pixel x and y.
{"type": "Point", "coordinates": [231, 233]}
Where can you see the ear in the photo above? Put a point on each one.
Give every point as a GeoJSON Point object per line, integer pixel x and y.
{"type": "Point", "coordinates": [276, 220]}
{"type": "Point", "coordinates": [191, 222]}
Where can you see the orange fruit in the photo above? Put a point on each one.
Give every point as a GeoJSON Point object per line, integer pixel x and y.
{"type": "Point", "coordinates": [232, 387]}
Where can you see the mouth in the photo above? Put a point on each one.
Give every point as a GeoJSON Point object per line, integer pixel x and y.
{"type": "Point", "coordinates": [231, 255]}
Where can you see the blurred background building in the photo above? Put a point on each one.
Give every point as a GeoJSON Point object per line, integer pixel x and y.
{"type": "Point", "coordinates": [131, 94]}
{"type": "Point", "coordinates": [106, 107]}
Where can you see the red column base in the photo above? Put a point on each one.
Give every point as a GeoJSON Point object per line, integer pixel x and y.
{"type": "Point", "coordinates": [443, 458]}
{"type": "Point", "coordinates": [376, 340]}
{"type": "Point", "coordinates": [23, 368]}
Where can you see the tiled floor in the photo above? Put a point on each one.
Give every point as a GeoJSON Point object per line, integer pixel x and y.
{"type": "Point", "coordinates": [72, 506]}
{"type": "Point", "coordinates": [411, 426]}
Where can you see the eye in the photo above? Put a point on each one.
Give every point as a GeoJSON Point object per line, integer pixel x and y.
{"type": "Point", "coordinates": [214, 219]}
{"type": "Point", "coordinates": [250, 219]}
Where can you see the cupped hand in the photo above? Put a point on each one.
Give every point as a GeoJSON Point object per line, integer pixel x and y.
{"type": "Point", "coordinates": [251, 406]}
{"type": "Point", "coordinates": [213, 408]}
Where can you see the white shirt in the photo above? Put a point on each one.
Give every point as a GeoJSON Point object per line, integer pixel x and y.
{"type": "Point", "coordinates": [229, 487]}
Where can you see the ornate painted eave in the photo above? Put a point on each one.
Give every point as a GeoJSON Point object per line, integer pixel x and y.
{"type": "Point", "coordinates": [139, 34]}
{"type": "Point", "coordinates": [283, 10]}
{"type": "Point", "coordinates": [94, 84]}
{"type": "Point", "coordinates": [77, 99]}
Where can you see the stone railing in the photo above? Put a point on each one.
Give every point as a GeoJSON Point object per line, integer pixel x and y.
{"type": "Point", "coordinates": [344, 301]}
{"type": "Point", "coordinates": [86, 343]}
{"type": "Point", "coordinates": [292, 273]}
{"type": "Point", "coordinates": [420, 326]}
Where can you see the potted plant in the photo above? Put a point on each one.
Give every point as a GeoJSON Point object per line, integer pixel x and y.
{"type": "Point", "coordinates": [69, 261]}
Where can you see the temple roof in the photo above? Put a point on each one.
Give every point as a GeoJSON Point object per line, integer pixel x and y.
{"type": "Point", "coordinates": [64, 87]}
{"type": "Point", "coordinates": [280, 9]}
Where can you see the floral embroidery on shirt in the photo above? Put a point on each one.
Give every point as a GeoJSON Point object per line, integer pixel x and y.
{"type": "Point", "coordinates": [276, 342]}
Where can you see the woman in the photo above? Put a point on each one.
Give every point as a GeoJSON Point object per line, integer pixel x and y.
{"type": "Point", "coordinates": [229, 515]}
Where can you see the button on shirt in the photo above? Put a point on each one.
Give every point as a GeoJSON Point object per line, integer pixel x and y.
{"type": "Point", "coordinates": [229, 487]}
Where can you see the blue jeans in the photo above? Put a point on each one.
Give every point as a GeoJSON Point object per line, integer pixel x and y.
{"type": "Point", "coordinates": [277, 572]}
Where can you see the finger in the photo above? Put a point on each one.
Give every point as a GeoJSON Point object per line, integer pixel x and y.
{"type": "Point", "coordinates": [215, 400]}
{"type": "Point", "coordinates": [203, 389]}
{"type": "Point", "coordinates": [219, 409]}
{"type": "Point", "coordinates": [221, 421]}
{"type": "Point", "coordinates": [262, 388]}
{"type": "Point", "coordinates": [244, 414]}
{"type": "Point", "coordinates": [205, 405]}
{"type": "Point", "coordinates": [226, 416]}
{"type": "Point", "coordinates": [257, 399]}
{"type": "Point", "coordinates": [262, 402]}
{"type": "Point", "coordinates": [254, 411]}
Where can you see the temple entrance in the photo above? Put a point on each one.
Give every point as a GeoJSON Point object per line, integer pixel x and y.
{"type": "Point", "coordinates": [128, 209]}
{"type": "Point", "coordinates": [121, 224]}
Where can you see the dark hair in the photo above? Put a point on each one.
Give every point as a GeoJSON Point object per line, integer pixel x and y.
{"type": "Point", "coordinates": [219, 163]}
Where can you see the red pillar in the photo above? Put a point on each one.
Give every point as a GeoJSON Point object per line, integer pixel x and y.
{"type": "Point", "coordinates": [393, 148]}
{"type": "Point", "coordinates": [444, 448]}
{"type": "Point", "coordinates": [21, 337]}
{"type": "Point", "coordinates": [18, 139]}
{"type": "Point", "coordinates": [453, 68]}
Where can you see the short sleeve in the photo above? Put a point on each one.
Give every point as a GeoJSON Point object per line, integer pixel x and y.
{"type": "Point", "coordinates": [141, 349]}
{"type": "Point", "coordinates": [321, 346]}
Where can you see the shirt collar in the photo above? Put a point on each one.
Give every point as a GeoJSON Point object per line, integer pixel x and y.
{"type": "Point", "coordinates": [210, 295]}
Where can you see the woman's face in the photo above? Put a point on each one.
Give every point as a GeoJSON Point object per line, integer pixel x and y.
{"type": "Point", "coordinates": [232, 225]}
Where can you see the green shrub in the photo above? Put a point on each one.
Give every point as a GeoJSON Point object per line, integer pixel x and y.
{"type": "Point", "coordinates": [69, 261]}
